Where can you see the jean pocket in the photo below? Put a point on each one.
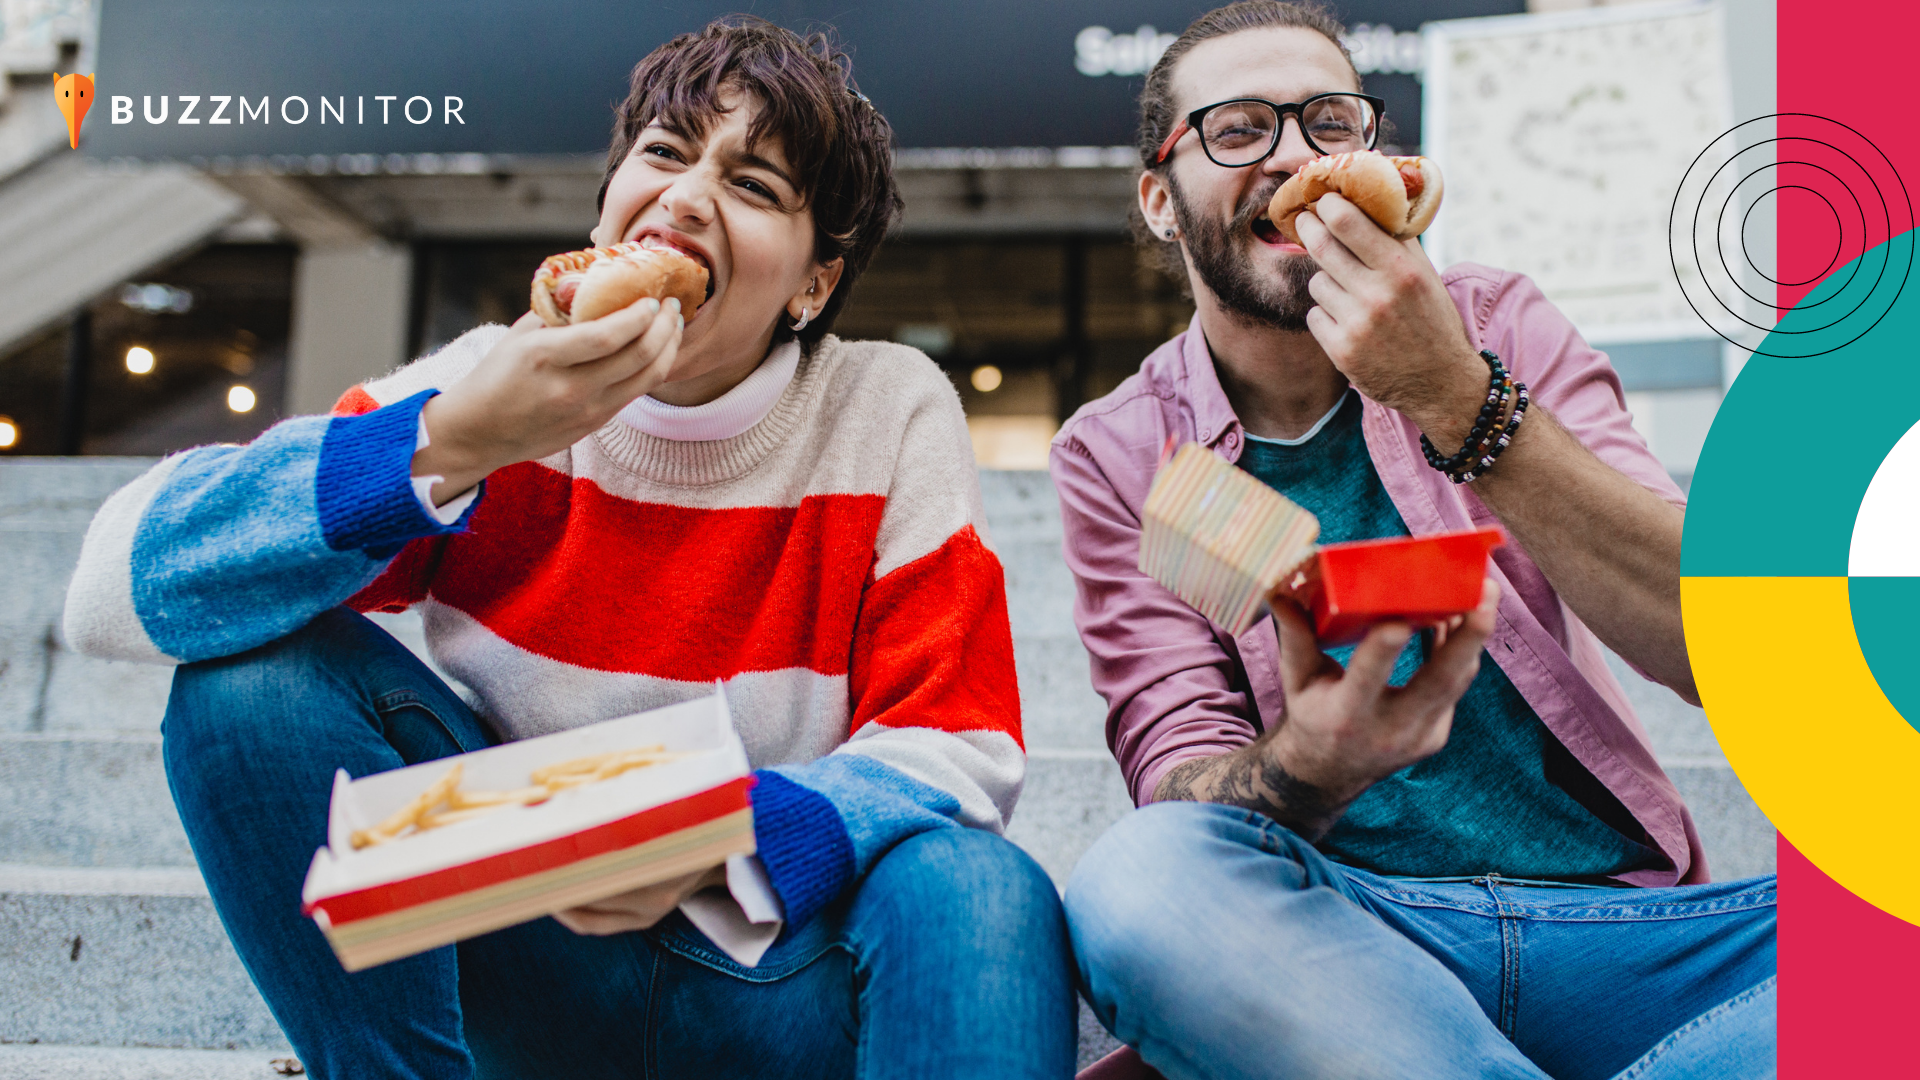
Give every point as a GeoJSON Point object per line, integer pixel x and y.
{"type": "Point", "coordinates": [794, 949]}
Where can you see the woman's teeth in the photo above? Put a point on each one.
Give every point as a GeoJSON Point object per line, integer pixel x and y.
{"type": "Point", "coordinates": [656, 243]}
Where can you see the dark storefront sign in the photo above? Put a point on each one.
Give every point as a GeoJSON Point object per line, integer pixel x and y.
{"type": "Point", "coordinates": [218, 78]}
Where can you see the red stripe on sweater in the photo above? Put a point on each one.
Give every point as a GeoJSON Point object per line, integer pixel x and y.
{"type": "Point", "coordinates": [404, 582]}
{"type": "Point", "coordinates": [934, 648]}
{"type": "Point", "coordinates": [560, 568]}
{"type": "Point", "coordinates": [355, 402]}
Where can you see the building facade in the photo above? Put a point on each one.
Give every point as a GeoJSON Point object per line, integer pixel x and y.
{"type": "Point", "coordinates": [172, 284]}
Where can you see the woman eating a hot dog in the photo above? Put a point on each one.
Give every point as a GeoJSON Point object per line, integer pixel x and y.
{"type": "Point", "coordinates": [601, 509]}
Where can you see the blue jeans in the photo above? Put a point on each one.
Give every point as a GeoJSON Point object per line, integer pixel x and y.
{"type": "Point", "coordinates": [1220, 944]}
{"type": "Point", "coordinates": [949, 959]}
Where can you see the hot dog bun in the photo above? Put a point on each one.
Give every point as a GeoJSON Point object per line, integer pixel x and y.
{"type": "Point", "coordinates": [580, 286]}
{"type": "Point", "coordinates": [1372, 181]}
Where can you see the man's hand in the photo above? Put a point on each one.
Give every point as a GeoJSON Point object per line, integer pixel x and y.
{"type": "Point", "coordinates": [1385, 319]}
{"type": "Point", "coordinates": [543, 388]}
{"type": "Point", "coordinates": [1344, 729]}
{"type": "Point", "coordinates": [639, 909]}
{"type": "Point", "coordinates": [1347, 729]}
{"type": "Point", "coordinates": [1610, 547]}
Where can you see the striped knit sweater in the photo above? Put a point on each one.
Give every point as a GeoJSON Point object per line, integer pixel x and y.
{"type": "Point", "coordinates": [830, 565]}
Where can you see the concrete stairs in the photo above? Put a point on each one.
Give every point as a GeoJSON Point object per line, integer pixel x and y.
{"type": "Point", "coordinates": [112, 962]}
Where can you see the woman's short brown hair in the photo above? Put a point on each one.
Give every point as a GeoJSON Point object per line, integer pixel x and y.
{"type": "Point", "coordinates": [837, 143]}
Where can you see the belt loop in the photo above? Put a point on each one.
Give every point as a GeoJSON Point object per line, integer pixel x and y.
{"type": "Point", "coordinates": [1510, 919]}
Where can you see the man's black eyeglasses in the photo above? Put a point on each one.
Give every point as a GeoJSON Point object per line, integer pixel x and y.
{"type": "Point", "coordinates": [1244, 131]}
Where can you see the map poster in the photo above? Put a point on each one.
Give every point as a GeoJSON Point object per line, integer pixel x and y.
{"type": "Point", "coordinates": [1563, 139]}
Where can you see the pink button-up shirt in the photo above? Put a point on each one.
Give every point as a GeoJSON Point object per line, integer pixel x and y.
{"type": "Point", "coordinates": [1179, 687]}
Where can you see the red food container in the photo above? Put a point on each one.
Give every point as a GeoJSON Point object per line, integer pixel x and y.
{"type": "Point", "coordinates": [1417, 579]}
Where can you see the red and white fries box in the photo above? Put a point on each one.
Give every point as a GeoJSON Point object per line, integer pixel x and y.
{"type": "Point", "coordinates": [423, 890]}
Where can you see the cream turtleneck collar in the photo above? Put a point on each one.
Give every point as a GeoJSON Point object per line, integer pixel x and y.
{"type": "Point", "coordinates": [726, 416]}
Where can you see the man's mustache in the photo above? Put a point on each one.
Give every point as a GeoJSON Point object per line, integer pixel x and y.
{"type": "Point", "coordinates": [1256, 204]}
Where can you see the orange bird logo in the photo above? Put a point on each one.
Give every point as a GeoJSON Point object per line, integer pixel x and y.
{"type": "Point", "coordinates": [74, 95]}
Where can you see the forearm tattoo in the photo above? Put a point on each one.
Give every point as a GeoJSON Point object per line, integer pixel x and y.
{"type": "Point", "coordinates": [1250, 779]}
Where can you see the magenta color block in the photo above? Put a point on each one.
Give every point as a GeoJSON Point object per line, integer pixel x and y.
{"type": "Point", "coordinates": [1846, 980]}
{"type": "Point", "coordinates": [1847, 997]}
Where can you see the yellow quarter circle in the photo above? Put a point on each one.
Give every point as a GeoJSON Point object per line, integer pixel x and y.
{"type": "Point", "coordinates": [1806, 727]}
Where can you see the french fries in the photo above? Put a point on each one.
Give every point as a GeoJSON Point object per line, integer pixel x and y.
{"type": "Point", "coordinates": [474, 800]}
{"type": "Point", "coordinates": [452, 817]}
{"type": "Point", "coordinates": [600, 766]}
{"type": "Point", "coordinates": [425, 811]}
{"type": "Point", "coordinates": [410, 814]}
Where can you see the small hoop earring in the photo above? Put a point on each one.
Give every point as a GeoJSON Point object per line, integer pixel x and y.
{"type": "Point", "coordinates": [805, 314]}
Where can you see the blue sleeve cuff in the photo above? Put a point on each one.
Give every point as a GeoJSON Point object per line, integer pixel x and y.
{"type": "Point", "coordinates": [364, 485]}
{"type": "Point", "coordinates": [803, 844]}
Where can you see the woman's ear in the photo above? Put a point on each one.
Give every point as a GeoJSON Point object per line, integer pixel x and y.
{"type": "Point", "coordinates": [819, 287]}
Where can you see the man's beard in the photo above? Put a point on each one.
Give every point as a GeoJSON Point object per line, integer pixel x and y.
{"type": "Point", "coordinates": [1218, 255]}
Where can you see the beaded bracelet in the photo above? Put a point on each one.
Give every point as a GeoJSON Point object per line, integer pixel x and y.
{"type": "Point", "coordinates": [1499, 445]}
{"type": "Point", "coordinates": [1499, 392]}
{"type": "Point", "coordinates": [1499, 389]}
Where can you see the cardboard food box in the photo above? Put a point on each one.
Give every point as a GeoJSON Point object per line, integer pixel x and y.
{"type": "Point", "coordinates": [421, 890]}
{"type": "Point", "coordinates": [1225, 542]}
{"type": "Point", "coordinates": [1416, 579]}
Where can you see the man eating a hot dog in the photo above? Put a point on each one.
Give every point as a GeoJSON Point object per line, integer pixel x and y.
{"type": "Point", "coordinates": [1438, 854]}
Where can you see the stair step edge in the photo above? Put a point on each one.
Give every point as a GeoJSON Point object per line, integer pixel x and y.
{"type": "Point", "coordinates": [24, 879]}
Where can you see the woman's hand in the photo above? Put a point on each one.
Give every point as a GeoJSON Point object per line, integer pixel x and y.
{"type": "Point", "coordinates": [543, 388]}
{"type": "Point", "coordinates": [639, 909]}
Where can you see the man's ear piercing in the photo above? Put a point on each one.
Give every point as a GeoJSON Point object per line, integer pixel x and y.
{"type": "Point", "coordinates": [1169, 234]}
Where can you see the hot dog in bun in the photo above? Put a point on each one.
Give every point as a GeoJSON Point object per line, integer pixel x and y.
{"type": "Point", "coordinates": [1399, 193]}
{"type": "Point", "coordinates": [583, 285]}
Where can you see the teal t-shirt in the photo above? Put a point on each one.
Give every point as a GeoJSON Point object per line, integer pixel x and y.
{"type": "Point", "coordinates": [1504, 796]}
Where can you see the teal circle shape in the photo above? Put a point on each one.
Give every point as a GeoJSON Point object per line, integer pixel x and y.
{"type": "Point", "coordinates": [1884, 614]}
{"type": "Point", "coordinates": [1787, 462]}
{"type": "Point", "coordinates": [1796, 442]}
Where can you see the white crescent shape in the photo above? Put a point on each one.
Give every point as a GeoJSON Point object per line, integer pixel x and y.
{"type": "Point", "coordinates": [1886, 531]}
